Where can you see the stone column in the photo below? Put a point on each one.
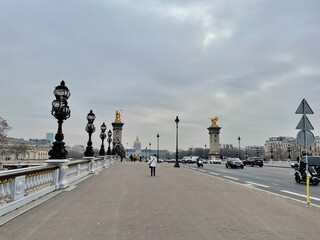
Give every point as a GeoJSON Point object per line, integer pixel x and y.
{"type": "Point", "coordinates": [63, 171]}
{"type": "Point", "coordinates": [214, 141]}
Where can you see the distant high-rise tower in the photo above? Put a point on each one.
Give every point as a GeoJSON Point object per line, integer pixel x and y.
{"type": "Point", "coordinates": [50, 137]}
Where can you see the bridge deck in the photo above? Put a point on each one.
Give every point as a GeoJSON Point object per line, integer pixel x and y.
{"type": "Point", "coordinates": [124, 202]}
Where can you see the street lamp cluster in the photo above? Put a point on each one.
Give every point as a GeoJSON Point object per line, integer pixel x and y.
{"type": "Point", "coordinates": [60, 110]}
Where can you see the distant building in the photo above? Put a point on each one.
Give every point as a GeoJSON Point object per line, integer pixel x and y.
{"type": "Point", "coordinates": [280, 146]}
{"type": "Point", "coordinates": [20, 149]}
{"type": "Point", "coordinates": [137, 147]}
{"type": "Point", "coordinates": [50, 137]}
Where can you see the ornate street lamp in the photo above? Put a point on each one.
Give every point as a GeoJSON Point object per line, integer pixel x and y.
{"type": "Point", "coordinates": [271, 153]}
{"type": "Point", "coordinates": [177, 161]}
{"type": "Point", "coordinates": [239, 147]}
{"type": "Point", "coordinates": [158, 147]}
{"type": "Point", "coordinates": [102, 136]}
{"type": "Point", "coordinates": [289, 152]}
{"type": "Point", "coordinates": [149, 150]}
{"type": "Point", "coordinates": [60, 110]}
{"type": "Point", "coordinates": [90, 128]}
{"type": "Point", "coordinates": [109, 141]}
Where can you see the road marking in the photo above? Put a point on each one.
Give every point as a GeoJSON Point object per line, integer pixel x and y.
{"type": "Point", "coordinates": [300, 195]}
{"type": "Point", "coordinates": [257, 184]}
{"type": "Point", "coordinates": [232, 178]}
{"type": "Point", "coordinates": [202, 170]}
{"type": "Point", "coordinates": [216, 174]}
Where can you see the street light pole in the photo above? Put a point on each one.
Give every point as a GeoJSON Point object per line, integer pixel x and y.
{"type": "Point", "coordinates": [90, 128]}
{"type": "Point", "coordinates": [289, 152]}
{"type": "Point", "coordinates": [109, 141]}
{"type": "Point", "coordinates": [158, 147]}
{"type": "Point", "coordinates": [177, 162]}
{"type": "Point", "coordinates": [239, 147]}
{"type": "Point", "coordinates": [60, 110]}
{"type": "Point", "coordinates": [271, 154]}
{"type": "Point", "coordinates": [102, 136]}
{"type": "Point", "coordinates": [149, 151]}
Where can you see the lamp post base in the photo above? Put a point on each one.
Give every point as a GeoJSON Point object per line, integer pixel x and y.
{"type": "Point", "coordinates": [176, 164]}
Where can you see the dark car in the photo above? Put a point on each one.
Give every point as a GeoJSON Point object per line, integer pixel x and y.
{"type": "Point", "coordinates": [253, 161]}
{"type": "Point", "coordinates": [234, 163]}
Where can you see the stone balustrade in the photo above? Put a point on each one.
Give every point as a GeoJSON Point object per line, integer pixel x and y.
{"type": "Point", "coordinates": [22, 186]}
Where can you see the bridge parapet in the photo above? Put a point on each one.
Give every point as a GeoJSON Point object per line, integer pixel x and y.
{"type": "Point", "coordinates": [19, 187]}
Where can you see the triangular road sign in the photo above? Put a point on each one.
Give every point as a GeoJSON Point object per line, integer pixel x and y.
{"type": "Point", "coordinates": [304, 108]}
{"type": "Point", "coordinates": [304, 124]}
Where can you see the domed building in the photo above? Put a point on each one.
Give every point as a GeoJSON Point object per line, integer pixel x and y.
{"type": "Point", "coordinates": [137, 148]}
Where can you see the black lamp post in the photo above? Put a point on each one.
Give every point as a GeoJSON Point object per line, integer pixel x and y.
{"type": "Point", "coordinates": [158, 147]}
{"type": "Point", "coordinates": [205, 151]}
{"type": "Point", "coordinates": [149, 150]}
{"type": "Point", "coordinates": [246, 153]}
{"type": "Point", "coordinates": [103, 137]}
{"type": "Point", "coordinates": [109, 141]}
{"type": "Point", "coordinates": [60, 110]}
{"type": "Point", "coordinates": [239, 147]}
{"type": "Point", "coordinates": [90, 128]}
{"type": "Point", "coordinates": [177, 162]}
{"type": "Point", "coordinates": [258, 152]}
{"type": "Point", "coordinates": [289, 152]}
{"type": "Point", "coordinates": [271, 153]}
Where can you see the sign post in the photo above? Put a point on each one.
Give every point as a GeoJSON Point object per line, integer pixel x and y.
{"type": "Point", "coordinates": [305, 138]}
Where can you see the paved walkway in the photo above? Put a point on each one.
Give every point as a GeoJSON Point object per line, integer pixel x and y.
{"type": "Point", "coordinates": [124, 202]}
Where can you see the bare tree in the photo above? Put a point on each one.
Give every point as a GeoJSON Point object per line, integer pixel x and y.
{"type": "Point", "coordinates": [19, 150]}
{"type": "Point", "coordinates": [4, 128]}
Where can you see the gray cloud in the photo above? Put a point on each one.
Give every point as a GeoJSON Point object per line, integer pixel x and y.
{"type": "Point", "coordinates": [249, 62]}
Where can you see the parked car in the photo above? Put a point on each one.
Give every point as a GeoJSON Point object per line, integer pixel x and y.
{"type": "Point", "coordinates": [215, 161]}
{"type": "Point", "coordinates": [234, 163]}
{"type": "Point", "coordinates": [253, 161]}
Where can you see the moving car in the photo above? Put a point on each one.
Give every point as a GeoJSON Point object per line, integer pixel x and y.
{"type": "Point", "coordinates": [186, 159]}
{"type": "Point", "coordinates": [234, 163]}
{"type": "Point", "coordinates": [253, 161]}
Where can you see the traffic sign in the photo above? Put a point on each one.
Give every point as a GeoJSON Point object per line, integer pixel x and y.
{"type": "Point", "coordinates": [304, 124]}
{"type": "Point", "coordinates": [305, 138]}
{"type": "Point", "coordinates": [304, 108]}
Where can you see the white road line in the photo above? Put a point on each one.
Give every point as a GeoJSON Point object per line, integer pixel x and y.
{"type": "Point", "coordinates": [216, 174]}
{"type": "Point", "coordinates": [232, 178]}
{"type": "Point", "coordinates": [257, 184]}
{"type": "Point", "coordinates": [300, 195]}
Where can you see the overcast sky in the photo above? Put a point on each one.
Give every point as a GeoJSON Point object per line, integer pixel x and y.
{"type": "Point", "coordinates": [249, 62]}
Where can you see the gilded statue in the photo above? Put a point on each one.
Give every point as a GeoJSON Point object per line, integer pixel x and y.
{"type": "Point", "coordinates": [214, 121]}
{"type": "Point", "coordinates": [118, 116]}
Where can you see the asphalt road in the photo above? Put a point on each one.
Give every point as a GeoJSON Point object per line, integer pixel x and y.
{"type": "Point", "coordinates": [272, 179]}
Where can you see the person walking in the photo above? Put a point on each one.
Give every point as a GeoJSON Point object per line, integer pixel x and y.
{"type": "Point", "coordinates": [152, 164]}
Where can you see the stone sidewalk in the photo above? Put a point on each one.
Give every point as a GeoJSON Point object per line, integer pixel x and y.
{"type": "Point", "coordinates": [124, 202]}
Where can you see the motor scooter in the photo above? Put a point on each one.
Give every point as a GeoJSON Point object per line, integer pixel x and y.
{"type": "Point", "coordinates": [199, 163]}
{"type": "Point", "coordinates": [301, 176]}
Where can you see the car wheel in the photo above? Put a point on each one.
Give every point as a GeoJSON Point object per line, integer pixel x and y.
{"type": "Point", "coordinates": [261, 165]}
{"type": "Point", "coordinates": [315, 182]}
{"type": "Point", "coordinates": [241, 167]}
{"type": "Point", "coordinates": [252, 164]}
{"type": "Point", "coordinates": [297, 178]}
{"type": "Point", "coordinates": [227, 166]}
